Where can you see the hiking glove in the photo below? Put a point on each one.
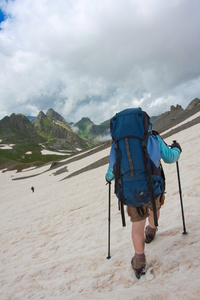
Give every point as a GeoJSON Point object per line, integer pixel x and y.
{"type": "Point", "coordinates": [176, 145]}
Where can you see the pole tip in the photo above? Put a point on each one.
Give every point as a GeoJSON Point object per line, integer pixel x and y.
{"type": "Point", "coordinates": [184, 232]}
{"type": "Point", "coordinates": [108, 257]}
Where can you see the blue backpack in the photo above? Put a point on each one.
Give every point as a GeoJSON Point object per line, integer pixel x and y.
{"type": "Point", "coordinates": [138, 180]}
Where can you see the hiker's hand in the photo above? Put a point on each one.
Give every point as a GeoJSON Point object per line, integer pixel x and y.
{"type": "Point", "coordinates": [108, 181]}
{"type": "Point", "coordinates": [176, 145]}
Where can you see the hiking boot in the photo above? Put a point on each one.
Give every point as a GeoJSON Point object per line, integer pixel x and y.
{"type": "Point", "coordinates": [149, 234]}
{"type": "Point", "coordinates": [138, 264]}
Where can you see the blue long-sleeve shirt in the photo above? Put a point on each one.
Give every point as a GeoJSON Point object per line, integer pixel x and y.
{"type": "Point", "coordinates": [169, 155]}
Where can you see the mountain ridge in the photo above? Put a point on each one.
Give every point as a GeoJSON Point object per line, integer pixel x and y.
{"type": "Point", "coordinates": [50, 131]}
{"type": "Point", "coordinates": [86, 128]}
{"type": "Point", "coordinates": [175, 116]}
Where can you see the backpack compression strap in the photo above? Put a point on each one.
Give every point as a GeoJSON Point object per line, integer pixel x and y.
{"type": "Point", "coordinates": [129, 157]}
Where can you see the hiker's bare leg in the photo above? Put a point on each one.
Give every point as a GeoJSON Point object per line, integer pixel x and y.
{"type": "Point", "coordinates": [151, 218]}
{"type": "Point", "coordinates": [138, 236]}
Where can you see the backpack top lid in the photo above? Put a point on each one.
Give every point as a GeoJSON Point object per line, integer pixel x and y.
{"type": "Point", "coordinates": [132, 122]}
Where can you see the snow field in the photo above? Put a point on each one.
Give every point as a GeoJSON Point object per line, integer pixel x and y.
{"type": "Point", "coordinates": [54, 241]}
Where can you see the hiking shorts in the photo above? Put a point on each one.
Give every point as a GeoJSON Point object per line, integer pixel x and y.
{"type": "Point", "coordinates": [134, 215]}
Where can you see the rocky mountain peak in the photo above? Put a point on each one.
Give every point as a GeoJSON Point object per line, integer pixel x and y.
{"type": "Point", "coordinates": [177, 107]}
{"type": "Point", "coordinates": [194, 103]}
{"type": "Point", "coordinates": [41, 115]}
{"type": "Point", "coordinates": [85, 120]}
{"type": "Point", "coordinates": [54, 115]}
{"type": "Point", "coordinates": [17, 127]}
{"type": "Point", "coordinates": [175, 116]}
{"type": "Point", "coordinates": [17, 121]}
{"type": "Point", "coordinates": [40, 118]}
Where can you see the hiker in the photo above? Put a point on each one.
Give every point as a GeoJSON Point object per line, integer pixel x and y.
{"type": "Point", "coordinates": [32, 189]}
{"type": "Point", "coordinates": [156, 149]}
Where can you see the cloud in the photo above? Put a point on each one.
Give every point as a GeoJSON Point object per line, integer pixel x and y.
{"type": "Point", "coordinates": [103, 138]}
{"type": "Point", "coordinates": [94, 58]}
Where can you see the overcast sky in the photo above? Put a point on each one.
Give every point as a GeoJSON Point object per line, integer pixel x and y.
{"type": "Point", "coordinates": [96, 57]}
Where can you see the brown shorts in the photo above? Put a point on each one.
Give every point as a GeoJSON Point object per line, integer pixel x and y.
{"type": "Point", "coordinates": [133, 213]}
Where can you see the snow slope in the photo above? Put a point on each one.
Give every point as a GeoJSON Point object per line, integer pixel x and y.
{"type": "Point", "coordinates": [54, 241]}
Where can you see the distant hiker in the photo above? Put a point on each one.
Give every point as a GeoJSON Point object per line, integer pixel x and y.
{"type": "Point", "coordinates": [135, 165]}
{"type": "Point", "coordinates": [32, 189]}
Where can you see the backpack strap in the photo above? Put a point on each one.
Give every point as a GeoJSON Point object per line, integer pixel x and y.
{"type": "Point", "coordinates": [118, 182]}
{"type": "Point", "coordinates": [121, 208]}
{"type": "Point", "coordinates": [163, 176]}
{"type": "Point", "coordinates": [118, 174]}
{"type": "Point", "coordinates": [149, 181]}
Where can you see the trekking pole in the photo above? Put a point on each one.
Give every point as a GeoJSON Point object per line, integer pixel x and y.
{"type": "Point", "coordinates": [109, 218]}
{"type": "Point", "coordinates": [180, 192]}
